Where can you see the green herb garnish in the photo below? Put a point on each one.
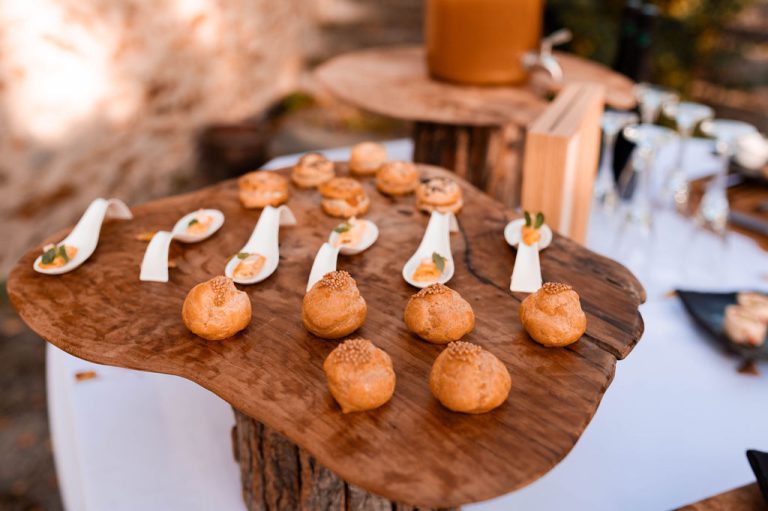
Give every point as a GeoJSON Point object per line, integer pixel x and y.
{"type": "Point", "coordinates": [343, 227]}
{"type": "Point", "coordinates": [539, 220]}
{"type": "Point", "coordinates": [193, 222]}
{"type": "Point", "coordinates": [527, 219]}
{"type": "Point", "coordinates": [243, 255]}
{"type": "Point", "coordinates": [63, 253]}
{"type": "Point", "coordinates": [439, 261]}
{"type": "Point", "coordinates": [49, 255]}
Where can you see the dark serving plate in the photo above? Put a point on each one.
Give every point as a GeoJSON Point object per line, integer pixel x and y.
{"type": "Point", "coordinates": [708, 310]}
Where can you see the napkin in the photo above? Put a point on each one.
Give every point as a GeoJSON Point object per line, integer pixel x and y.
{"type": "Point", "coordinates": [759, 462]}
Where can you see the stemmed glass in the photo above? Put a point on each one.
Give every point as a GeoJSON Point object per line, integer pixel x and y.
{"type": "Point", "coordinates": [648, 138]}
{"type": "Point", "coordinates": [713, 209]}
{"type": "Point", "coordinates": [687, 115]}
{"type": "Point", "coordinates": [612, 122]}
{"type": "Point", "coordinates": [651, 98]}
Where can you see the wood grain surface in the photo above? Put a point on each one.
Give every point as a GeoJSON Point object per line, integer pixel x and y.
{"type": "Point", "coordinates": [744, 498]}
{"type": "Point", "coordinates": [394, 82]}
{"type": "Point", "coordinates": [411, 450]}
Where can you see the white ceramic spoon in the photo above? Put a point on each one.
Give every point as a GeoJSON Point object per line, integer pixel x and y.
{"type": "Point", "coordinates": [370, 236]}
{"type": "Point", "coordinates": [437, 239]}
{"type": "Point", "coordinates": [154, 266]}
{"type": "Point", "coordinates": [526, 275]}
{"type": "Point", "coordinates": [325, 262]}
{"type": "Point", "coordinates": [513, 233]}
{"type": "Point", "coordinates": [265, 241]}
{"type": "Point", "coordinates": [85, 235]}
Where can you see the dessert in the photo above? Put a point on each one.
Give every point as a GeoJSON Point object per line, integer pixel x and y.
{"type": "Point", "coordinates": [439, 194]}
{"type": "Point", "coordinates": [360, 375]}
{"type": "Point", "coordinates": [311, 170]}
{"type": "Point", "coordinates": [56, 256]}
{"type": "Point", "coordinates": [216, 310]}
{"type": "Point", "coordinates": [466, 378]}
{"type": "Point", "coordinates": [552, 316]}
{"type": "Point", "coordinates": [249, 266]}
{"type": "Point", "coordinates": [439, 314]}
{"type": "Point", "coordinates": [366, 158]}
{"type": "Point", "coordinates": [430, 268]}
{"type": "Point", "coordinates": [397, 178]}
{"type": "Point", "coordinates": [333, 307]}
{"type": "Point", "coordinates": [343, 197]}
{"type": "Point", "coordinates": [350, 233]}
{"type": "Point", "coordinates": [755, 302]}
{"type": "Point", "coordinates": [743, 326]}
{"type": "Point", "coordinates": [262, 188]}
{"type": "Point", "coordinates": [199, 224]}
{"type": "Point", "coordinates": [530, 233]}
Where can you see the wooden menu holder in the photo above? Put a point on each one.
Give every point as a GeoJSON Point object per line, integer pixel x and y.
{"type": "Point", "coordinates": [560, 160]}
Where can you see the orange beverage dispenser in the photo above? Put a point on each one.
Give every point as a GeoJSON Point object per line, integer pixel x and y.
{"type": "Point", "coordinates": [481, 42]}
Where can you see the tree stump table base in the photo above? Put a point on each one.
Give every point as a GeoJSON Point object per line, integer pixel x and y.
{"type": "Point", "coordinates": [278, 475]}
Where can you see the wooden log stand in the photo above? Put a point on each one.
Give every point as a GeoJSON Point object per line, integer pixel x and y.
{"type": "Point", "coordinates": [295, 448]}
{"type": "Point", "coordinates": [478, 132]}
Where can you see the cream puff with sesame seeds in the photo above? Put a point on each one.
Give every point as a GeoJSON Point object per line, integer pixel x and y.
{"type": "Point", "coordinates": [262, 188]}
{"type": "Point", "coordinates": [216, 309]}
{"type": "Point", "coordinates": [467, 378]}
{"type": "Point", "coordinates": [360, 375]}
{"type": "Point", "coordinates": [397, 178]}
{"type": "Point", "coordinates": [366, 158]}
{"type": "Point", "coordinates": [333, 306]}
{"type": "Point", "coordinates": [439, 314]}
{"type": "Point", "coordinates": [552, 316]}
{"type": "Point", "coordinates": [440, 194]}
{"type": "Point", "coordinates": [312, 170]}
{"type": "Point", "coordinates": [344, 197]}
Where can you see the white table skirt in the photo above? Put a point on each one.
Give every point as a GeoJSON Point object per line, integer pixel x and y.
{"type": "Point", "coordinates": [671, 429]}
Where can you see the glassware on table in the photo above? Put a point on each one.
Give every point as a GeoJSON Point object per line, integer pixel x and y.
{"type": "Point", "coordinates": [687, 115]}
{"type": "Point", "coordinates": [713, 209]}
{"type": "Point", "coordinates": [605, 192]}
{"type": "Point", "coordinates": [651, 98]}
{"type": "Point", "coordinates": [648, 138]}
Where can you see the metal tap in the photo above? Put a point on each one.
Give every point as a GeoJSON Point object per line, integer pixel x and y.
{"type": "Point", "coordinates": [544, 59]}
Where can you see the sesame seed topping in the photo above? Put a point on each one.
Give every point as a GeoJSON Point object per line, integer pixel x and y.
{"type": "Point", "coordinates": [463, 351]}
{"type": "Point", "coordinates": [353, 351]}
{"type": "Point", "coordinates": [220, 286]}
{"type": "Point", "coordinates": [553, 288]}
{"type": "Point", "coordinates": [433, 289]}
{"type": "Point", "coordinates": [336, 280]}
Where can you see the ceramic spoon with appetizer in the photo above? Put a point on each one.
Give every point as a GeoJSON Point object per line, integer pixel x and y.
{"type": "Point", "coordinates": [77, 247]}
{"type": "Point", "coordinates": [259, 258]}
{"type": "Point", "coordinates": [529, 236]}
{"type": "Point", "coordinates": [193, 227]}
{"type": "Point", "coordinates": [433, 261]}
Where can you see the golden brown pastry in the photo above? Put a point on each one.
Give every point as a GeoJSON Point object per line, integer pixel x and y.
{"type": "Point", "coordinates": [216, 310]}
{"type": "Point", "coordinates": [439, 194]}
{"type": "Point", "coordinates": [333, 307]}
{"type": "Point", "coordinates": [466, 378]}
{"type": "Point", "coordinates": [262, 188]}
{"type": "Point", "coordinates": [360, 375]}
{"type": "Point", "coordinates": [311, 170]}
{"type": "Point", "coordinates": [439, 314]}
{"type": "Point", "coordinates": [344, 197]}
{"type": "Point", "coordinates": [553, 316]}
{"type": "Point", "coordinates": [397, 178]}
{"type": "Point", "coordinates": [366, 158]}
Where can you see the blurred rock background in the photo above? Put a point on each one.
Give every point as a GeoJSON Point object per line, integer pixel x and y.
{"type": "Point", "coordinates": [138, 99]}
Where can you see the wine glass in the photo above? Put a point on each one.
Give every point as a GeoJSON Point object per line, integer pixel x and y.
{"type": "Point", "coordinates": [713, 209]}
{"type": "Point", "coordinates": [651, 98]}
{"type": "Point", "coordinates": [612, 122]}
{"type": "Point", "coordinates": [687, 115]}
{"type": "Point", "coordinates": [648, 138]}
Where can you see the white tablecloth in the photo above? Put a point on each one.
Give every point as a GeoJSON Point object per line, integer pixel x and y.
{"type": "Point", "coordinates": [672, 427]}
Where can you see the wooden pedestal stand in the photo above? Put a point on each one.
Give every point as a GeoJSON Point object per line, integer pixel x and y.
{"type": "Point", "coordinates": [478, 132]}
{"type": "Point", "coordinates": [295, 447]}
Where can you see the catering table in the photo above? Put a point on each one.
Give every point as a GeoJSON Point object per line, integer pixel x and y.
{"type": "Point", "coordinates": [672, 428]}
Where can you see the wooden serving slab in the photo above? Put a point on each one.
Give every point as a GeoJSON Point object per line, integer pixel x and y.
{"type": "Point", "coordinates": [411, 450]}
